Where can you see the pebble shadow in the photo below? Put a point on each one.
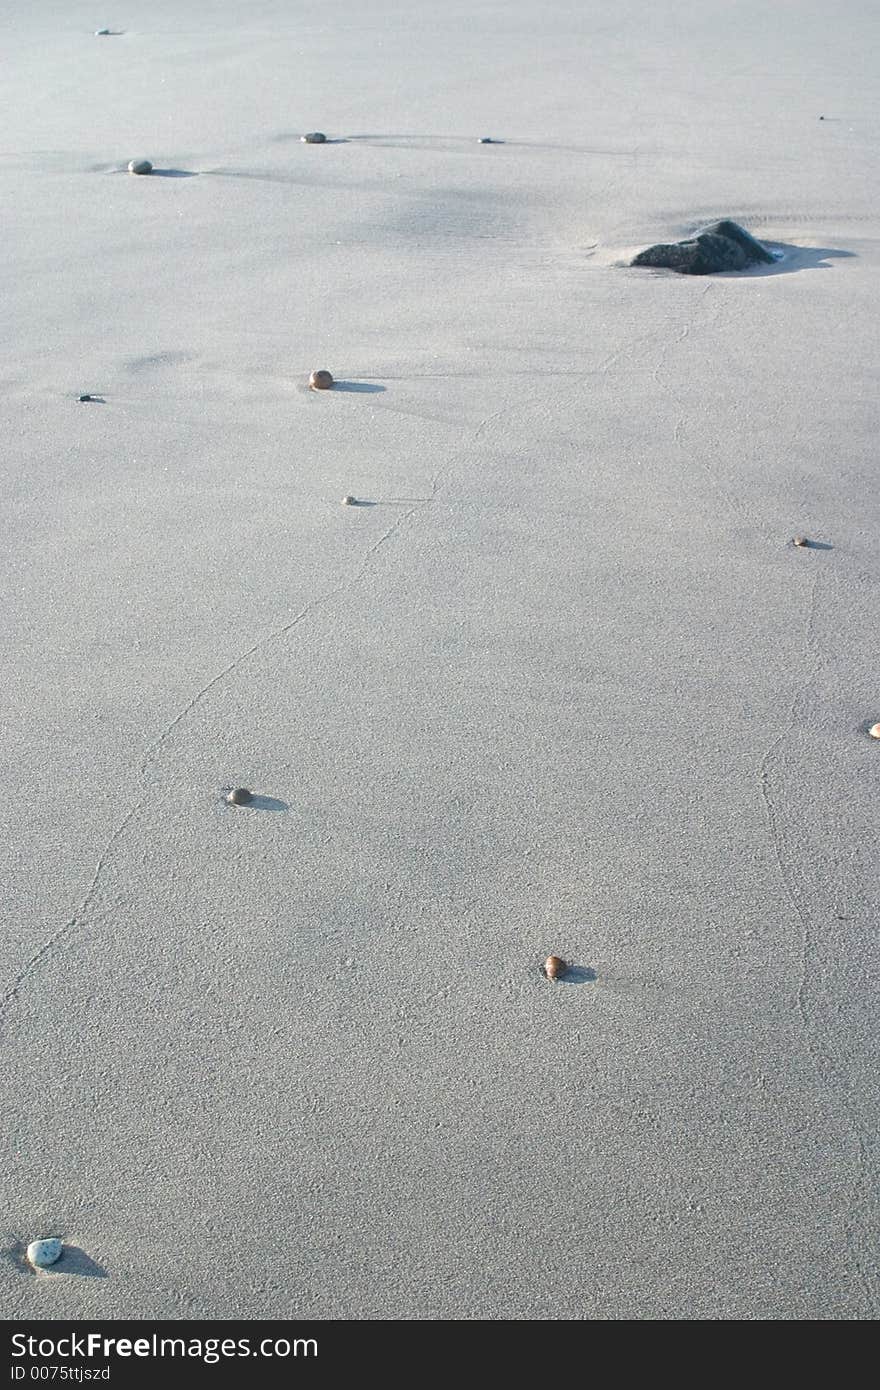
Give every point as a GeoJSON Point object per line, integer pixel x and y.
{"type": "Point", "coordinates": [76, 1261]}
{"type": "Point", "coordinates": [298, 135]}
{"type": "Point", "coordinates": [577, 975]}
{"type": "Point", "coordinates": [72, 1261]}
{"type": "Point", "coordinates": [266, 803]}
{"type": "Point", "coordinates": [364, 386]}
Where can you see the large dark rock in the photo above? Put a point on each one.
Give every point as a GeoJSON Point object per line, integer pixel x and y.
{"type": "Point", "coordinates": [722, 246]}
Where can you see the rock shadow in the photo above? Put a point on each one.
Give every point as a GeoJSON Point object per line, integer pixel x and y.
{"type": "Point", "coordinates": [788, 258]}
{"type": "Point", "coordinates": [572, 975]}
{"type": "Point", "coordinates": [258, 802]}
{"type": "Point", "coordinates": [297, 135]}
{"type": "Point", "coordinates": [578, 975]}
{"type": "Point", "coordinates": [265, 803]}
{"type": "Point", "coordinates": [368, 387]}
{"type": "Point", "coordinates": [76, 1261]}
{"type": "Point", "coordinates": [73, 1260]}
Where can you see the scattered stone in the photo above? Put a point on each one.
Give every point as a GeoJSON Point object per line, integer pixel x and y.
{"type": "Point", "coordinates": [554, 967]}
{"type": "Point", "coordinates": [486, 140]}
{"type": "Point", "coordinates": [349, 501]}
{"type": "Point", "coordinates": [239, 796]}
{"type": "Point", "coordinates": [43, 1253]}
{"type": "Point", "coordinates": [99, 33]}
{"type": "Point", "coordinates": [314, 137]}
{"type": "Point", "coordinates": [140, 166]}
{"type": "Point", "coordinates": [821, 118]}
{"type": "Point", "coordinates": [874, 731]}
{"type": "Point", "coordinates": [320, 381]}
{"type": "Point", "coordinates": [722, 246]}
{"type": "Point", "coordinates": [802, 542]}
{"type": "Point", "coordinates": [87, 398]}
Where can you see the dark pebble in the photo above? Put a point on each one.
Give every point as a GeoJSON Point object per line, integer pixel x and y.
{"type": "Point", "coordinates": [140, 166]}
{"type": "Point", "coordinates": [314, 137]}
{"type": "Point", "coordinates": [486, 140]}
{"type": "Point", "coordinates": [86, 398]}
{"type": "Point", "coordinates": [99, 33]}
{"type": "Point", "coordinates": [239, 796]}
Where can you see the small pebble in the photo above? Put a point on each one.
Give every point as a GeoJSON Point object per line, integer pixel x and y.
{"type": "Point", "coordinates": [314, 137]}
{"type": "Point", "coordinates": [100, 32]}
{"type": "Point", "coordinates": [320, 381]}
{"type": "Point", "coordinates": [802, 542]}
{"type": "Point", "coordinates": [821, 118]}
{"type": "Point", "coordinates": [486, 140]}
{"type": "Point", "coordinates": [554, 966]}
{"type": "Point", "coordinates": [44, 1252]}
{"type": "Point", "coordinates": [140, 166]}
{"type": "Point", "coordinates": [874, 731]}
{"type": "Point", "coordinates": [86, 398]}
{"type": "Point", "coordinates": [239, 796]}
{"type": "Point", "coordinates": [349, 501]}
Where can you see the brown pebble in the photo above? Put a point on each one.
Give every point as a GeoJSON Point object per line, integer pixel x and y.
{"type": "Point", "coordinates": [874, 731]}
{"type": "Point", "coordinates": [554, 966]}
{"type": "Point", "coordinates": [802, 542]}
{"type": "Point", "coordinates": [320, 381]}
{"type": "Point", "coordinates": [239, 796]}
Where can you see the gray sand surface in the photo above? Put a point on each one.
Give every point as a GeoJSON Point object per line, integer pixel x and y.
{"type": "Point", "coordinates": [564, 686]}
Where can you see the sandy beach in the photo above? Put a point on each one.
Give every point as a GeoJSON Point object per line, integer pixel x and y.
{"type": "Point", "coordinates": [559, 682]}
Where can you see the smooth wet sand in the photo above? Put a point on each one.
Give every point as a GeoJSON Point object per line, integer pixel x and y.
{"type": "Point", "coordinates": [564, 685]}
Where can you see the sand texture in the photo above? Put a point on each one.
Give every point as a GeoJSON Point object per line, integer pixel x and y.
{"type": "Point", "coordinates": [559, 682]}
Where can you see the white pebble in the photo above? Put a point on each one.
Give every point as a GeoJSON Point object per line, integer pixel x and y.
{"type": "Point", "coordinates": [44, 1252]}
{"type": "Point", "coordinates": [874, 731]}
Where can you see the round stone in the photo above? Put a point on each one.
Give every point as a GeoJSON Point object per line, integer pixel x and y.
{"type": "Point", "coordinates": [239, 796]}
{"type": "Point", "coordinates": [85, 398]}
{"type": "Point", "coordinates": [320, 381]}
{"type": "Point", "coordinates": [140, 166]}
{"type": "Point", "coordinates": [314, 137]}
{"type": "Point", "coordinates": [349, 501]}
{"type": "Point", "coordinates": [802, 542]}
{"type": "Point", "coordinates": [874, 731]}
{"type": "Point", "coordinates": [554, 966]}
{"type": "Point", "coordinates": [44, 1252]}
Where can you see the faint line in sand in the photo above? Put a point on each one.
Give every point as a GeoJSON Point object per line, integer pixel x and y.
{"type": "Point", "coordinates": [821, 1060]}
{"type": "Point", "coordinates": [278, 633]}
{"type": "Point", "coordinates": [10, 994]}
